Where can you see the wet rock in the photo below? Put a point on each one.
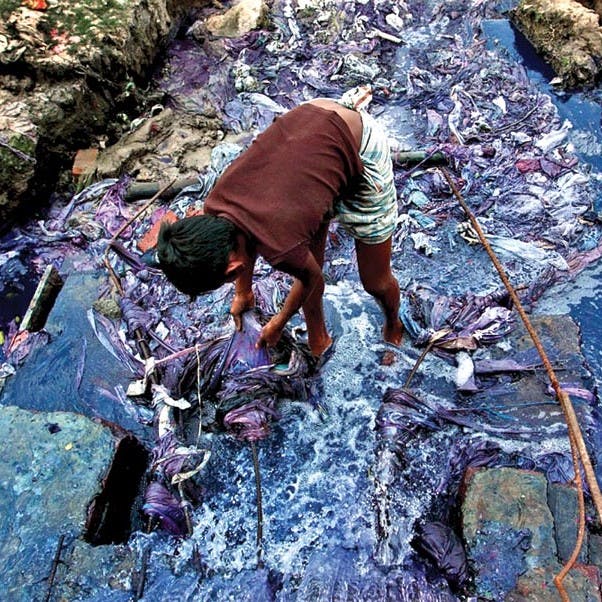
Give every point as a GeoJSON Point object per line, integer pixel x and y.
{"type": "Point", "coordinates": [240, 19]}
{"type": "Point", "coordinates": [595, 549]}
{"type": "Point", "coordinates": [74, 371]}
{"type": "Point", "coordinates": [166, 146]}
{"type": "Point", "coordinates": [102, 570]}
{"type": "Point", "coordinates": [510, 506]}
{"type": "Point", "coordinates": [64, 71]}
{"type": "Point", "coordinates": [511, 534]}
{"type": "Point", "coordinates": [567, 34]}
{"type": "Point", "coordinates": [108, 307]}
{"type": "Point", "coordinates": [52, 468]}
{"type": "Point", "coordinates": [562, 500]}
{"type": "Point", "coordinates": [537, 585]}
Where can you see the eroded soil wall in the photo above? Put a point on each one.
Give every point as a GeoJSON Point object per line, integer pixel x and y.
{"type": "Point", "coordinates": [567, 34]}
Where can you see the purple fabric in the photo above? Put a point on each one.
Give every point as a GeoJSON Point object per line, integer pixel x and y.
{"type": "Point", "coordinates": [162, 505]}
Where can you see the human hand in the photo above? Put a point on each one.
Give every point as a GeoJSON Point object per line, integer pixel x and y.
{"type": "Point", "coordinates": [241, 303]}
{"type": "Point", "coordinates": [270, 333]}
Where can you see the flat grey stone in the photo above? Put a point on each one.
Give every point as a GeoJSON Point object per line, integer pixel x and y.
{"type": "Point", "coordinates": [562, 500]}
{"type": "Point", "coordinates": [507, 523]}
{"type": "Point", "coordinates": [52, 467]}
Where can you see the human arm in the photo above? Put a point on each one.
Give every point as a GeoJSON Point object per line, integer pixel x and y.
{"type": "Point", "coordinates": [309, 282]}
{"type": "Point", "coordinates": [244, 299]}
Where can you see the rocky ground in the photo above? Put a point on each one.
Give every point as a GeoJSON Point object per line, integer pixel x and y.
{"type": "Point", "coordinates": [67, 72]}
{"type": "Point", "coordinates": [71, 78]}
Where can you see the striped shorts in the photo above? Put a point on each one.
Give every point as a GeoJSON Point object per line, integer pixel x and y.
{"type": "Point", "coordinates": [370, 215]}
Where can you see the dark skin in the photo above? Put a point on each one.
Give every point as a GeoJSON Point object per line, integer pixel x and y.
{"type": "Point", "coordinates": [374, 263]}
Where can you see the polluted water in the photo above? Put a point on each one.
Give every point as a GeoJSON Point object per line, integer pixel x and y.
{"type": "Point", "coordinates": [345, 480]}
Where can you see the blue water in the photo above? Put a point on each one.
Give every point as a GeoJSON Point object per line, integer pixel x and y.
{"type": "Point", "coordinates": [582, 109]}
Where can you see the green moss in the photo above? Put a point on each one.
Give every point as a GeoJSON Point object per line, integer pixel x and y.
{"type": "Point", "coordinates": [7, 7]}
{"type": "Point", "coordinates": [89, 20]}
{"type": "Point", "coordinates": [12, 163]}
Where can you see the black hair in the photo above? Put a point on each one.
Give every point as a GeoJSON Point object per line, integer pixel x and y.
{"type": "Point", "coordinates": [193, 252]}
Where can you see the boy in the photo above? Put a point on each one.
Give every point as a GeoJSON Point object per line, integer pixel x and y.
{"type": "Point", "coordinates": [319, 160]}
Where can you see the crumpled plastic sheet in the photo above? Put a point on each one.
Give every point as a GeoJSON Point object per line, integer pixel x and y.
{"type": "Point", "coordinates": [243, 383]}
{"type": "Point", "coordinates": [402, 414]}
{"type": "Point", "coordinates": [164, 502]}
{"type": "Point", "coordinates": [439, 543]}
{"type": "Point", "coordinates": [246, 382]}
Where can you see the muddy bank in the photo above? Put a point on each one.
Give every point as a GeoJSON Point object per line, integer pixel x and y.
{"type": "Point", "coordinates": [568, 35]}
{"type": "Point", "coordinates": [66, 73]}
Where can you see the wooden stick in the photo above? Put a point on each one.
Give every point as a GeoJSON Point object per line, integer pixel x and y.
{"type": "Point", "coordinates": [141, 576]}
{"type": "Point", "coordinates": [259, 538]}
{"type": "Point", "coordinates": [55, 564]}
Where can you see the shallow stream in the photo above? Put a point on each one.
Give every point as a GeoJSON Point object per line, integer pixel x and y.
{"type": "Point", "coordinates": [321, 464]}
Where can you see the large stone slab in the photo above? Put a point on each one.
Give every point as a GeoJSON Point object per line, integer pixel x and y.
{"type": "Point", "coordinates": [106, 573]}
{"type": "Point", "coordinates": [53, 466]}
{"type": "Point", "coordinates": [516, 499]}
{"type": "Point", "coordinates": [537, 585]}
{"type": "Point", "coordinates": [563, 503]}
{"type": "Point", "coordinates": [510, 538]}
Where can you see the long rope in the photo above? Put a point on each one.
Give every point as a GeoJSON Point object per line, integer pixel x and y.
{"type": "Point", "coordinates": [578, 447]}
{"type": "Point", "coordinates": [559, 578]}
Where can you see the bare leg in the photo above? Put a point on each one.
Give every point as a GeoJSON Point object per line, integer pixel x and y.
{"type": "Point", "coordinates": [374, 262]}
{"type": "Point", "coordinates": [317, 335]}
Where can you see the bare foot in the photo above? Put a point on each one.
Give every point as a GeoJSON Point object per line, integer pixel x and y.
{"type": "Point", "coordinates": [393, 333]}
{"type": "Point", "coordinates": [320, 346]}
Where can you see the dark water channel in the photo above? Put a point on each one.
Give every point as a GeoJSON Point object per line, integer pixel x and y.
{"type": "Point", "coordinates": [582, 109]}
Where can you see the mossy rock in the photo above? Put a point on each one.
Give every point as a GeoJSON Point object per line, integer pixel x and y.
{"type": "Point", "coordinates": [567, 34]}
{"type": "Point", "coordinates": [17, 168]}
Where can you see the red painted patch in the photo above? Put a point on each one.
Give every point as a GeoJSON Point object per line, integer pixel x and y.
{"type": "Point", "coordinates": [149, 240]}
{"type": "Point", "coordinates": [36, 4]}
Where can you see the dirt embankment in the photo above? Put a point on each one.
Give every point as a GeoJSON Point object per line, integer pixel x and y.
{"type": "Point", "coordinates": [568, 35]}
{"type": "Point", "coordinates": [66, 69]}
